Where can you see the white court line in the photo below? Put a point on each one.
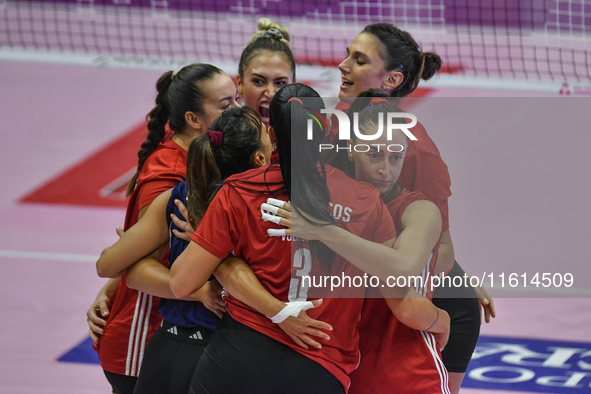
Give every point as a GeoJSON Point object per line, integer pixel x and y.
{"type": "Point", "coordinates": [21, 254]}
{"type": "Point", "coordinates": [305, 72]}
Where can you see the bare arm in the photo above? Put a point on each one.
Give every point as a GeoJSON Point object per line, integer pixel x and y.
{"type": "Point", "coordinates": [446, 255]}
{"type": "Point", "coordinates": [405, 257]}
{"type": "Point", "coordinates": [240, 281]}
{"type": "Point", "coordinates": [421, 228]}
{"type": "Point", "coordinates": [420, 314]}
{"type": "Point", "coordinates": [99, 310]}
{"type": "Point", "coordinates": [146, 236]}
{"type": "Point", "coordinates": [191, 270]}
{"type": "Point", "coordinates": [150, 276]}
{"type": "Point", "coordinates": [408, 257]}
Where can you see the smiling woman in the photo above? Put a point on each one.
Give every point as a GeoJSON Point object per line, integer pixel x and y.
{"type": "Point", "coordinates": [188, 101]}
{"type": "Point", "coordinates": [386, 57]}
{"type": "Point", "coordinates": [266, 65]}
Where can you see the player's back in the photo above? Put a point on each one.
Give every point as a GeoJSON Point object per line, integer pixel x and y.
{"type": "Point", "coordinates": [233, 224]}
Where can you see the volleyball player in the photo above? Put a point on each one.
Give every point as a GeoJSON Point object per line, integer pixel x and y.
{"type": "Point", "coordinates": [238, 141]}
{"type": "Point", "coordinates": [248, 352]}
{"type": "Point", "coordinates": [188, 101]}
{"type": "Point", "coordinates": [387, 58]}
{"type": "Point", "coordinates": [395, 357]}
{"type": "Point", "coordinates": [266, 65]}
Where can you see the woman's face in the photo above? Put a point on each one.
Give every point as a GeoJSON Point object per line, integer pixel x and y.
{"type": "Point", "coordinates": [220, 96]}
{"type": "Point", "coordinates": [265, 74]}
{"type": "Point", "coordinates": [379, 166]}
{"type": "Point", "coordinates": [363, 68]}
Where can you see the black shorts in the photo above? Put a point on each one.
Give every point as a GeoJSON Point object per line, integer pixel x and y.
{"type": "Point", "coordinates": [121, 384]}
{"type": "Point", "coordinates": [170, 359]}
{"type": "Point", "coordinates": [464, 311]}
{"type": "Point", "coordinates": [239, 359]}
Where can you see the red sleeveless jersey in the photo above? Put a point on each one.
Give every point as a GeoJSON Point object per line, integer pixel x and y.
{"type": "Point", "coordinates": [233, 223]}
{"type": "Point", "coordinates": [134, 315]}
{"type": "Point", "coordinates": [425, 171]}
{"type": "Point", "coordinates": [394, 357]}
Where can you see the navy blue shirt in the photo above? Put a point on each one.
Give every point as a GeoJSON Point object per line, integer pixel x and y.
{"type": "Point", "coordinates": [183, 313]}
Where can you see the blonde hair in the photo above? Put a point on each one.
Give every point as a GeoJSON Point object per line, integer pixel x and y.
{"type": "Point", "coordinates": [266, 24]}
{"type": "Point", "coordinates": [270, 36]}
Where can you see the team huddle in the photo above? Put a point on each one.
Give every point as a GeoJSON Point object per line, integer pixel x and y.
{"type": "Point", "coordinates": [232, 207]}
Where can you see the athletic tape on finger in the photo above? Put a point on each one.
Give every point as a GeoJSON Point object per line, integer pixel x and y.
{"type": "Point", "coordinates": [269, 208]}
{"type": "Point", "coordinates": [271, 218]}
{"type": "Point", "coordinates": [277, 203]}
{"type": "Point", "coordinates": [276, 232]}
{"type": "Point", "coordinates": [291, 309]}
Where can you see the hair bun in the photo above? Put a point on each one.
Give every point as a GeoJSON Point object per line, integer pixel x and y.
{"type": "Point", "coordinates": [269, 29]}
{"type": "Point", "coordinates": [432, 65]}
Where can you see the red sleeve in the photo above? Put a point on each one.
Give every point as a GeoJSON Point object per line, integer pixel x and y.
{"type": "Point", "coordinates": [384, 229]}
{"type": "Point", "coordinates": [219, 229]}
{"type": "Point", "coordinates": [151, 189]}
{"type": "Point", "coordinates": [165, 168]}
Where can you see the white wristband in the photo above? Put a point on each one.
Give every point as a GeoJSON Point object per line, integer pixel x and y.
{"type": "Point", "coordinates": [291, 309]}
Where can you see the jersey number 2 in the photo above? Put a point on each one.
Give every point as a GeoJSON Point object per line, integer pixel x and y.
{"type": "Point", "coordinates": [298, 288]}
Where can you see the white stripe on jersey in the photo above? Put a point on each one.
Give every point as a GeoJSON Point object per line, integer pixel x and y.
{"type": "Point", "coordinates": [432, 346]}
{"type": "Point", "coordinates": [425, 287]}
{"type": "Point", "coordinates": [443, 368]}
{"type": "Point", "coordinates": [134, 363]}
{"type": "Point", "coordinates": [131, 333]}
{"type": "Point", "coordinates": [422, 277]}
{"type": "Point", "coordinates": [145, 333]}
{"type": "Point", "coordinates": [422, 290]}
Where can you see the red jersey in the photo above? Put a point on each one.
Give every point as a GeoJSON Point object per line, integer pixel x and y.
{"type": "Point", "coordinates": [134, 315]}
{"type": "Point", "coordinates": [425, 171]}
{"type": "Point", "coordinates": [274, 156]}
{"type": "Point", "coordinates": [233, 223]}
{"type": "Point", "coordinates": [394, 357]}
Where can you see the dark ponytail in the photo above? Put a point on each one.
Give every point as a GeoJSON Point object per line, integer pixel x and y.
{"type": "Point", "coordinates": [401, 52]}
{"type": "Point", "coordinates": [157, 119]}
{"type": "Point", "coordinates": [305, 182]}
{"type": "Point", "coordinates": [208, 165]}
{"type": "Point", "coordinates": [178, 93]}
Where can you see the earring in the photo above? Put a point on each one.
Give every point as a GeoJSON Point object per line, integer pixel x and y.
{"type": "Point", "coordinates": [350, 157]}
{"type": "Point", "coordinates": [384, 88]}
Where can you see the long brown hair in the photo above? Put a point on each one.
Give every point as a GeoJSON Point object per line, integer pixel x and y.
{"type": "Point", "coordinates": [208, 165]}
{"type": "Point", "coordinates": [178, 93]}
